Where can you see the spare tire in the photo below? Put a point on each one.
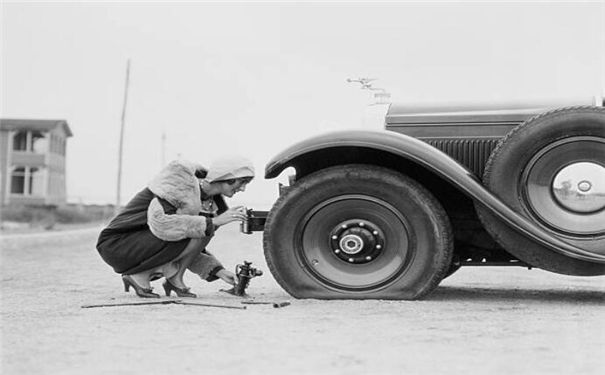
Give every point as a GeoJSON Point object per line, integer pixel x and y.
{"type": "Point", "coordinates": [551, 169]}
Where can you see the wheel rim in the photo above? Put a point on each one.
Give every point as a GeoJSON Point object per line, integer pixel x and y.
{"type": "Point", "coordinates": [564, 186]}
{"type": "Point", "coordinates": [354, 242]}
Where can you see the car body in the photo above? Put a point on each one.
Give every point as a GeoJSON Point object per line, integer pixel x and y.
{"type": "Point", "coordinates": [440, 188]}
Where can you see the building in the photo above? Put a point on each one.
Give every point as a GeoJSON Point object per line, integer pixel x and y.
{"type": "Point", "coordinates": [32, 162]}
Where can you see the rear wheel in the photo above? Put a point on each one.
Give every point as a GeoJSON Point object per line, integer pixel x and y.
{"type": "Point", "coordinates": [551, 169]}
{"type": "Point", "coordinates": [358, 232]}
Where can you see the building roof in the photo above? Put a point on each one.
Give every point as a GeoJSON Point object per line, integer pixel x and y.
{"type": "Point", "coordinates": [42, 125]}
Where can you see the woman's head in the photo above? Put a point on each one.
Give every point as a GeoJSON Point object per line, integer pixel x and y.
{"type": "Point", "coordinates": [230, 187]}
{"type": "Point", "coordinates": [229, 175]}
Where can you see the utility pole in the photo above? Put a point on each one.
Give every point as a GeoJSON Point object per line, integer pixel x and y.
{"type": "Point", "coordinates": [121, 147]}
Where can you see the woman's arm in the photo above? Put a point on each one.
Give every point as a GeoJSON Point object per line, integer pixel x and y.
{"type": "Point", "coordinates": [170, 226]}
{"type": "Point", "coordinates": [167, 225]}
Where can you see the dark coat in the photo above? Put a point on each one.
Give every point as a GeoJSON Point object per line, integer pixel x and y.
{"type": "Point", "coordinates": [157, 224]}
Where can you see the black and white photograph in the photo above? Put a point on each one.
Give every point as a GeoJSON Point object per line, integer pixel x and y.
{"type": "Point", "coordinates": [302, 187]}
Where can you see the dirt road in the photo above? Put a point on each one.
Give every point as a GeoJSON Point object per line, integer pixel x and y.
{"type": "Point", "coordinates": [479, 321]}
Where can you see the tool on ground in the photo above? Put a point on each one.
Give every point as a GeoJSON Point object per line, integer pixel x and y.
{"type": "Point", "coordinates": [129, 304]}
{"type": "Point", "coordinates": [275, 304]}
{"type": "Point", "coordinates": [166, 302]}
{"type": "Point", "coordinates": [210, 305]}
{"type": "Point", "coordinates": [244, 272]}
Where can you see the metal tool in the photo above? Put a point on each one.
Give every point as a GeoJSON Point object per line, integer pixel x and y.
{"type": "Point", "coordinates": [130, 304]}
{"type": "Point", "coordinates": [254, 222]}
{"type": "Point", "coordinates": [209, 305]}
{"type": "Point", "coordinates": [244, 272]}
{"type": "Point", "coordinates": [166, 302]}
{"type": "Point", "coordinates": [275, 304]}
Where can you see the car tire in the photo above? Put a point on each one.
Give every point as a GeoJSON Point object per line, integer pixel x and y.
{"type": "Point", "coordinates": [452, 269]}
{"type": "Point", "coordinates": [551, 169]}
{"type": "Point", "coordinates": [357, 232]}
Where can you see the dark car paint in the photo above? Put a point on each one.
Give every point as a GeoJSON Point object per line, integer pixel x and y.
{"type": "Point", "coordinates": [471, 113]}
{"type": "Point", "coordinates": [439, 163]}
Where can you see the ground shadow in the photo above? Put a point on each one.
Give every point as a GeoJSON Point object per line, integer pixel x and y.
{"type": "Point", "coordinates": [449, 293]}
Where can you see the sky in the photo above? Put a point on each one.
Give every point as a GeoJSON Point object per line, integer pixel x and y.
{"type": "Point", "coordinates": [254, 78]}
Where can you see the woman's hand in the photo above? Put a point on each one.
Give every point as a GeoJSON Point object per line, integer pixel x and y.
{"type": "Point", "coordinates": [227, 276]}
{"type": "Point", "coordinates": [232, 214]}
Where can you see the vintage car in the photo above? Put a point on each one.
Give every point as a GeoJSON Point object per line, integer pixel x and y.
{"type": "Point", "coordinates": [389, 214]}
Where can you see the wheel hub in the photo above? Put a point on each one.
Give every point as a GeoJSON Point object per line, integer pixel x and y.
{"type": "Point", "coordinates": [351, 244]}
{"type": "Point", "coordinates": [564, 186]}
{"type": "Point", "coordinates": [357, 241]}
{"type": "Point", "coordinates": [580, 187]}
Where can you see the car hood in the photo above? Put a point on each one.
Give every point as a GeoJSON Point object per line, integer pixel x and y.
{"type": "Point", "coordinates": [473, 112]}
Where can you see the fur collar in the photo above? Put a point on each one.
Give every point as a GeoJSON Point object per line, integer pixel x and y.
{"type": "Point", "coordinates": [177, 183]}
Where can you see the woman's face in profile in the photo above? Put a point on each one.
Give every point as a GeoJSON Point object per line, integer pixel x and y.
{"type": "Point", "coordinates": [230, 190]}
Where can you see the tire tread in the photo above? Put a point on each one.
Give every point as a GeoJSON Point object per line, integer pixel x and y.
{"type": "Point", "coordinates": [445, 231]}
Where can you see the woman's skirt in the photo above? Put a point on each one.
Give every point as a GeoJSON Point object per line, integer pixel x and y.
{"type": "Point", "coordinates": [138, 251]}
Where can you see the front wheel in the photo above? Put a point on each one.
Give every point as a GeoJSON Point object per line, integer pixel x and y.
{"type": "Point", "coordinates": [356, 231]}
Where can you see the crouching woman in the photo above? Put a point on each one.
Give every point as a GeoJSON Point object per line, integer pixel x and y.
{"type": "Point", "coordinates": [164, 229]}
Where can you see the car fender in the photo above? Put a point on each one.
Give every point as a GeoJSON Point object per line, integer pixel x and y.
{"type": "Point", "coordinates": [436, 161]}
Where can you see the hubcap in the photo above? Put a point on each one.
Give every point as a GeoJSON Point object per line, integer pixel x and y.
{"type": "Point", "coordinates": [564, 186]}
{"type": "Point", "coordinates": [351, 244]}
{"type": "Point", "coordinates": [580, 187]}
{"type": "Point", "coordinates": [354, 242]}
{"type": "Point", "coordinates": [357, 241]}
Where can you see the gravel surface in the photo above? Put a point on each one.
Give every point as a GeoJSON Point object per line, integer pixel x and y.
{"type": "Point", "coordinates": [492, 320]}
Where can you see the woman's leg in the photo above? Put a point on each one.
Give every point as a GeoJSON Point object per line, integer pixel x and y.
{"type": "Point", "coordinates": [174, 270]}
{"type": "Point", "coordinates": [142, 278]}
{"type": "Point", "coordinates": [181, 263]}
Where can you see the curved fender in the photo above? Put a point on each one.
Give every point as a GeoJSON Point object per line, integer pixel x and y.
{"type": "Point", "coordinates": [438, 162]}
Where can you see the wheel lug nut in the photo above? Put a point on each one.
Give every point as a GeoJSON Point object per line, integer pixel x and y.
{"type": "Point", "coordinates": [361, 224]}
{"type": "Point", "coordinates": [344, 226]}
{"type": "Point", "coordinates": [375, 233]}
{"type": "Point", "coordinates": [351, 260]}
{"type": "Point", "coordinates": [337, 251]}
{"type": "Point", "coordinates": [334, 237]}
{"type": "Point", "coordinates": [368, 258]}
{"type": "Point", "coordinates": [379, 246]}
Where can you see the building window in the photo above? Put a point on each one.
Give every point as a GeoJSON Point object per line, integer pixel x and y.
{"type": "Point", "coordinates": [20, 141]}
{"type": "Point", "coordinates": [32, 141]}
{"type": "Point", "coordinates": [27, 181]}
{"type": "Point", "coordinates": [18, 181]}
{"type": "Point", "coordinates": [39, 142]}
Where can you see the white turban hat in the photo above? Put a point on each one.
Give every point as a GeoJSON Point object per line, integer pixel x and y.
{"type": "Point", "coordinates": [230, 167]}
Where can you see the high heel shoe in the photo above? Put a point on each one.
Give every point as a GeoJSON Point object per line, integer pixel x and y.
{"type": "Point", "coordinates": [140, 291]}
{"type": "Point", "coordinates": [181, 292]}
